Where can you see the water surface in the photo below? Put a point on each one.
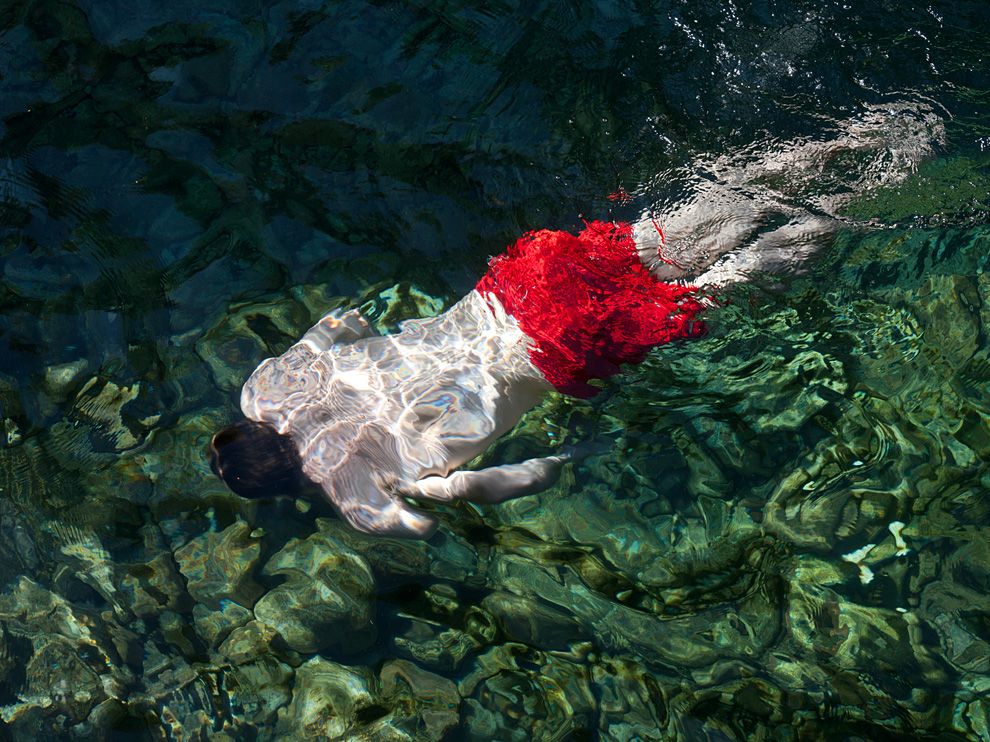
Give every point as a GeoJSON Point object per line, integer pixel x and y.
{"type": "Point", "coordinates": [788, 538]}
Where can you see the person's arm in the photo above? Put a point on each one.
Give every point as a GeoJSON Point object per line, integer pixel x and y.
{"type": "Point", "coordinates": [372, 505]}
{"type": "Point", "coordinates": [500, 483]}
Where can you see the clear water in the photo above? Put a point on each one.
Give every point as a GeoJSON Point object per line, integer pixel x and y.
{"type": "Point", "coordinates": [789, 539]}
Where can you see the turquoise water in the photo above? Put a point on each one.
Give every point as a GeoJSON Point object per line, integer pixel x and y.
{"type": "Point", "coordinates": [789, 536]}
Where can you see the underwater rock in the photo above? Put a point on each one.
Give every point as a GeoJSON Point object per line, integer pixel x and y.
{"type": "Point", "coordinates": [218, 566]}
{"type": "Point", "coordinates": [849, 487]}
{"type": "Point", "coordinates": [632, 702]}
{"type": "Point", "coordinates": [247, 334]}
{"type": "Point", "coordinates": [8, 657]}
{"type": "Point", "coordinates": [11, 410]}
{"type": "Point", "coordinates": [740, 367]}
{"type": "Point", "coordinates": [18, 553]}
{"type": "Point", "coordinates": [178, 698]}
{"type": "Point", "coordinates": [147, 589]}
{"type": "Point", "coordinates": [176, 631]}
{"type": "Point", "coordinates": [58, 682]}
{"type": "Point", "coordinates": [443, 627]}
{"type": "Point", "coordinates": [101, 402]}
{"type": "Point", "coordinates": [57, 672]}
{"type": "Point", "coordinates": [327, 699]}
{"type": "Point", "coordinates": [401, 302]}
{"type": "Point", "coordinates": [326, 600]}
{"type": "Point", "coordinates": [520, 693]}
{"type": "Point", "coordinates": [333, 701]}
{"type": "Point", "coordinates": [214, 626]}
{"type": "Point", "coordinates": [321, 298]}
{"type": "Point", "coordinates": [41, 494]}
{"type": "Point", "coordinates": [942, 189]}
{"type": "Point", "coordinates": [29, 609]}
{"type": "Point", "coordinates": [258, 689]}
{"type": "Point", "coordinates": [91, 563]}
{"type": "Point", "coordinates": [247, 643]}
{"type": "Point", "coordinates": [956, 605]}
{"type": "Point", "coordinates": [823, 622]}
{"type": "Point", "coordinates": [180, 486]}
{"type": "Point", "coordinates": [630, 544]}
{"type": "Point", "coordinates": [421, 702]}
{"type": "Point", "coordinates": [68, 672]}
{"type": "Point", "coordinates": [448, 557]}
{"type": "Point", "coordinates": [59, 380]}
{"type": "Point", "coordinates": [529, 620]}
{"type": "Point", "coordinates": [432, 645]}
{"type": "Point", "coordinates": [716, 632]}
{"type": "Point", "coordinates": [949, 307]}
{"type": "Point", "coordinates": [11, 434]}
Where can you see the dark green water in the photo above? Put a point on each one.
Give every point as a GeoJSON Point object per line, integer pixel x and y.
{"type": "Point", "coordinates": [790, 537]}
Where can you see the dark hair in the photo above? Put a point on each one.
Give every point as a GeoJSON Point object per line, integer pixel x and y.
{"type": "Point", "coordinates": [255, 460]}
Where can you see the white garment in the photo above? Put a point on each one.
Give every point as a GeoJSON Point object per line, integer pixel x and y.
{"type": "Point", "coordinates": [373, 416]}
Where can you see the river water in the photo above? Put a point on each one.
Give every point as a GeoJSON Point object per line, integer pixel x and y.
{"type": "Point", "coordinates": [787, 536]}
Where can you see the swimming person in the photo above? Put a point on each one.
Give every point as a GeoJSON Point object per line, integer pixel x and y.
{"type": "Point", "coordinates": [375, 421]}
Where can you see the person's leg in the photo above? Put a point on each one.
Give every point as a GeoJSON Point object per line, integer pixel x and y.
{"type": "Point", "coordinates": [772, 206]}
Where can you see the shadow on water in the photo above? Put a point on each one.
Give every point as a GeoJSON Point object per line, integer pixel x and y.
{"type": "Point", "coordinates": [787, 539]}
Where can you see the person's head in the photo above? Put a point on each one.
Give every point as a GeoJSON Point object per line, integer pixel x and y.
{"type": "Point", "coordinates": [255, 460]}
